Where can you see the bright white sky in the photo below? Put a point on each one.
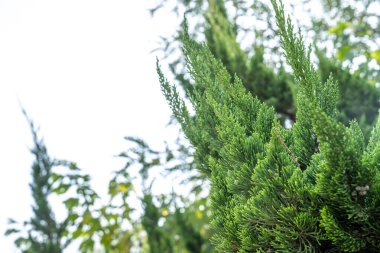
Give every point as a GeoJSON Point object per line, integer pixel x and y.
{"type": "Point", "coordinates": [84, 72]}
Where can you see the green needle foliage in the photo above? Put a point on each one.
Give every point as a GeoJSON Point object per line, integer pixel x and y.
{"type": "Point", "coordinates": [359, 98]}
{"type": "Point", "coordinates": [275, 89]}
{"type": "Point", "coordinates": [267, 78]}
{"type": "Point", "coordinates": [312, 188]}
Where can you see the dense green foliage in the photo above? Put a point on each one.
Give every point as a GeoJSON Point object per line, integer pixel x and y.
{"type": "Point", "coordinates": [359, 98]}
{"type": "Point", "coordinates": [311, 188]}
{"type": "Point", "coordinates": [274, 86]}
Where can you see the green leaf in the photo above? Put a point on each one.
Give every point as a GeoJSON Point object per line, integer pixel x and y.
{"type": "Point", "coordinates": [73, 166]}
{"type": "Point", "coordinates": [87, 217]}
{"type": "Point", "coordinates": [73, 217]}
{"type": "Point", "coordinates": [343, 51]}
{"type": "Point", "coordinates": [106, 240]}
{"type": "Point", "coordinates": [77, 233]}
{"type": "Point", "coordinates": [11, 231]}
{"type": "Point", "coordinates": [71, 203]}
{"type": "Point", "coordinates": [155, 161]}
{"type": "Point", "coordinates": [123, 188]}
{"type": "Point", "coordinates": [55, 177]}
{"type": "Point", "coordinates": [61, 189]}
{"type": "Point", "coordinates": [169, 156]}
{"type": "Point", "coordinates": [339, 28]}
{"type": "Point", "coordinates": [20, 241]}
{"type": "Point", "coordinates": [87, 245]}
{"type": "Point", "coordinates": [376, 55]}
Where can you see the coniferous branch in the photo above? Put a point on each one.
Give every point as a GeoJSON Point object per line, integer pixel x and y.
{"type": "Point", "coordinates": [261, 199]}
{"type": "Point", "coordinates": [294, 158]}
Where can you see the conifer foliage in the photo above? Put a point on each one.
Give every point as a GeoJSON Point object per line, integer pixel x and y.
{"type": "Point", "coordinates": [312, 188]}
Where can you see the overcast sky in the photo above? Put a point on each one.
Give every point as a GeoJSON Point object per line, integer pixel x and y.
{"type": "Point", "coordinates": [84, 72]}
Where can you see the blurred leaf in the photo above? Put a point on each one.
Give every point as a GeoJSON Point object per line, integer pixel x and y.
{"type": "Point", "coordinates": [202, 231]}
{"type": "Point", "coordinates": [11, 231]}
{"type": "Point", "coordinates": [155, 161]}
{"type": "Point", "coordinates": [340, 27]}
{"type": "Point", "coordinates": [376, 55]}
{"type": "Point", "coordinates": [20, 241]}
{"type": "Point", "coordinates": [11, 221]}
{"type": "Point", "coordinates": [73, 166]}
{"type": "Point", "coordinates": [123, 188]}
{"type": "Point", "coordinates": [342, 52]}
{"type": "Point", "coordinates": [199, 214]}
{"type": "Point", "coordinates": [72, 217]}
{"type": "Point", "coordinates": [169, 156]}
{"type": "Point", "coordinates": [55, 177]}
{"type": "Point", "coordinates": [87, 245]}
{"type": "Point", "coordinates": [71, 203]}
{"type": "Point", "coordinates": [112, 188]}
{"type": "Point", "coordinates": [77, 233]}
{"type": "Point", "coordinates": [106, 240]}
{"type": "Point", "coordinates": [363, 29]}
{"type": "Point", "coordinates": [61, 189]}
{"type": "Point", "coordinates": [87, 217]}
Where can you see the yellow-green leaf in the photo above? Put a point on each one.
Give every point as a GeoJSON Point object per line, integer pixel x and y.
{"type": "Point", "coordinates": [156, 161]}
{"type": "Point", "coordinates": [342, 52]}
{"type": "Point", "coordinates": [123, 188]}
{"type": "Point", "coordinates": [376, 55]}
{"type": "Point", "coordinates": [87, 217]}
{"type": "Point", "coordinates": [61, 189]}
{"type": "Point", "coordinates": [339, 28]}
{"type": "Point", "coordinates": [199, 214]}
{"type": "Point", "coordinates": [71, 203]}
